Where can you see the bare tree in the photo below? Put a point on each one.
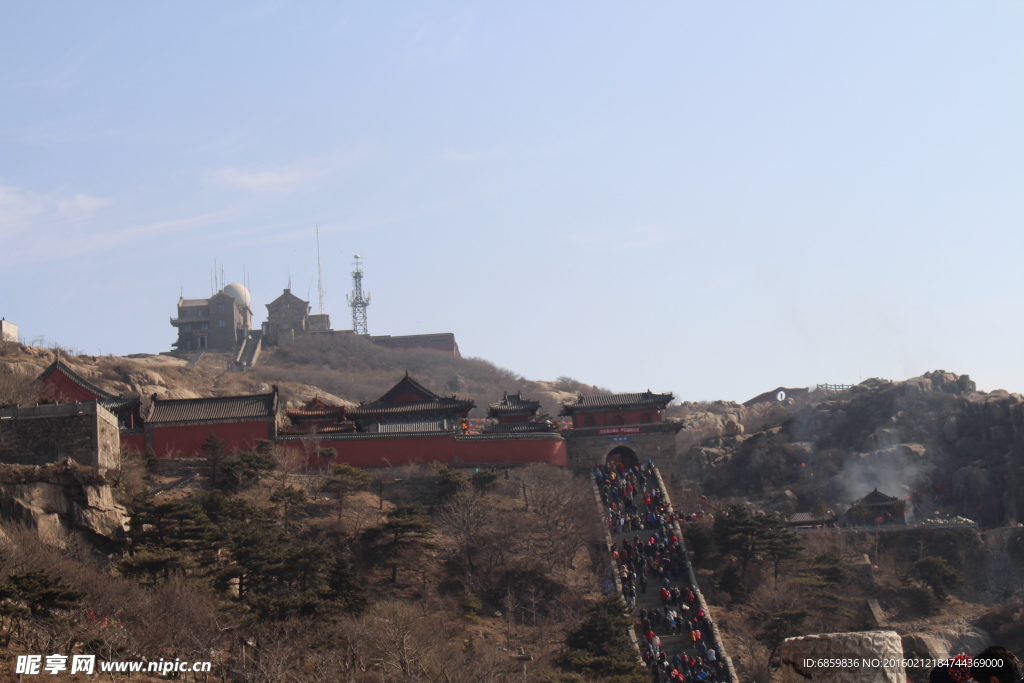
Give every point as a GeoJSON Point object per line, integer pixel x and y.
{"type": "Point", "coordinates": [17, 388]}
{"type": "Point", "coordinates": [465, 520]}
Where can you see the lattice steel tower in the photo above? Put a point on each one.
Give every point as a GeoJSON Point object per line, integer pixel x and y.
{"type": "Point", "coordinates": [358, 301]}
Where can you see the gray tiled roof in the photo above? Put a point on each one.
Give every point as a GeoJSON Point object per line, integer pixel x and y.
{"type": "Point", "coordinates": [120, 403]}
{"type": "Point", "coordinates": [519, 428]}
{"type": "Point", "coordinates": [427, 401]}
{"type": "Point", "coordinates": [645, 399]}
{"type": "Point", "coordinates": [811, 518]}
{"type": "Point", "coordinates": [513, 403]}
{"type": "Point", "coordinates": [216, 408]}
{"type": "Point", "coordinates": [440, 405]}
{"type": "Point", "coordinates": [876, 499]}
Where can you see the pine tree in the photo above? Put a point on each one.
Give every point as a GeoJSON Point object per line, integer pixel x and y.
{"type": "Point", "coordinates": [215, 449]}
{"type": "Point", "coordinates": [346, 479]}
{"type": "Point", "coordinates": [405, 529]}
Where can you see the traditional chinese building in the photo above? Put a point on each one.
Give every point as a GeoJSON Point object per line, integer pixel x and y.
{"type": "Point", "coordinates": [61, 382]}
{"type": "Point", "coordinates": [876, 508]}
{"type": "Point", "coordinates": [221, 322]}
{"type": "Point", "coordinates": [411, 424]}
{"type": "Point", "coordinates": [177, 428]}
{"type": "Point", "coordinates": [516, 415]}
{"type": "Point", "coordinates": [626, 428]}
{"type": "Point", "coordinates": [317, 416]}
{"type": "Point", "coordinates": [410, 407]}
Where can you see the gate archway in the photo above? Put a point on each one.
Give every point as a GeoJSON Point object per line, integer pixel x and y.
{"type": "Point", "coordinates": [624, 455]}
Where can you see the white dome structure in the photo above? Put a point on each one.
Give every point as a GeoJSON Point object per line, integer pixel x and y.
{"type": "Point", "coordinates": [239, 293]}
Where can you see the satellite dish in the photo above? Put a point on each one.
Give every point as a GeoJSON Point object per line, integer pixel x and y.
{"type": "Point", "coordinates": [356, 256]}
{"type": "Point", "coordinates": [781, 396]}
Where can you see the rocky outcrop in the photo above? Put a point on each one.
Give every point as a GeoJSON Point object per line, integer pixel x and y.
{"type": "Point", "coordinates": [934, 440]}
{"type": "Point", "coordinates": [62, 498]}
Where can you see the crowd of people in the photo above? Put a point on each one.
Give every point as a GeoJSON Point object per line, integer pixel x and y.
{"type": "Point", "coordinates": [649, 556]}
{"type": "Point", "coordinates": [994, 664]}
{"type": "Point", "coordinates": [650, 559]}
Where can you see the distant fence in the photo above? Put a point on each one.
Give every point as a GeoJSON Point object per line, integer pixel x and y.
{"type": "Point", "coordinates": [835, 387]}
{"type": "Point", "coordinates": [885, 528]}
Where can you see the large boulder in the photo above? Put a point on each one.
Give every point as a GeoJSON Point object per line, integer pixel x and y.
{"type": "Point", "coordinates": [862, 653]}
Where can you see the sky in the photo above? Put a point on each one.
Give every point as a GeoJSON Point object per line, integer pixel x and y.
{"type": "Point", "coordinates": [713, 199]}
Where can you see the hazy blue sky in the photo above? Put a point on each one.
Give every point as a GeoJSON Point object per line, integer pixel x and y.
{"type": "Point", "coordinates": [711, 198]}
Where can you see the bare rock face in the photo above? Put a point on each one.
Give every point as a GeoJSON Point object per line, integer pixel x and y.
{"type": "Point", "coordinates": [733, 428]}
{"type": "Point", "coordinates": [967, 640]}
{"type": "Point", "coordinates": [800, 656]}
{"type": "Point", "coordinates": [60, 498]}
{"type": "Point", "coordinates": [925, 645]}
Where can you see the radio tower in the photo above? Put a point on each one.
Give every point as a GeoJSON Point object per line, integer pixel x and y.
{"type": "Point", "coordinates": [319, 273]}
{"type": "Point", "coordinates": [358, 301]}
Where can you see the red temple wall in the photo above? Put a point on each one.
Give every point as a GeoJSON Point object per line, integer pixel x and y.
{"type": "Point", "coordinates": [381, 452]}
{"type": "Point", "coordinates": [183, 441]}
{"type": "Point", "coordinates": [607, 419]}
{"type": "Point", "coordinates": [133, 443]}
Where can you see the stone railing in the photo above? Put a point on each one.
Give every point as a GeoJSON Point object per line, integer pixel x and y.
{"type": "Point", "coordinates": [729, 668]}
{"type": "Point", "coordinates": [609, 545]}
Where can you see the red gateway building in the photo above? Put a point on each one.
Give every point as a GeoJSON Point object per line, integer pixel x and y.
{"type": "Point", "coordinates": [625, 428]}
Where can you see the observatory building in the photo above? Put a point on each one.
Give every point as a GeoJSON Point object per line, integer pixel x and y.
{"type": "Point", "coordinates": [221, 322]}
{"type": "Point", "coordinates": [288, 316]}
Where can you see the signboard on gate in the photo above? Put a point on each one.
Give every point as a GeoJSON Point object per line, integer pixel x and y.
{"type": "Point", "coordinates": [619, 430]}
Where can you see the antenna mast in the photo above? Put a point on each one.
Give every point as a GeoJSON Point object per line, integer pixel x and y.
{"type": "Point", "coordinates": [358, 301]}
{"type": "Point", "coordinates": [319, 273]}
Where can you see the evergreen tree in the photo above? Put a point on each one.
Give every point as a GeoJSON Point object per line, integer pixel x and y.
{"type": "Point", "coordinates": [292, 501]}
{"type": "Point", "coordinates": [41, 594]}
{"type": "Point", "coordinates": [451, 483]}
{"type": "Point", "coordinates": [600, 648]}
{"type": "Point", "coordinates": [939, 575]}
{"type": "Point", "coordinates": [346, 479]}
{"type": "Point", "coordinates": [778, 543]}
{"type": "Point", "coordinates": [215, 449]}
{"type": "Point", "coordinates": [484, 481]}
{"type": "Point", "coordinates": [738, 533]}
{"type": "Point", "coordinates": [250, 466]}
{"type": "Point", "coordinates": [405, 529]}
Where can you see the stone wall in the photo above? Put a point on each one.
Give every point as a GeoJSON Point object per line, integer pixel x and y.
{"type": "Point", "coordinates": [85, 432]}
{"type": "Point", "coordinates": [1002, 575]}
